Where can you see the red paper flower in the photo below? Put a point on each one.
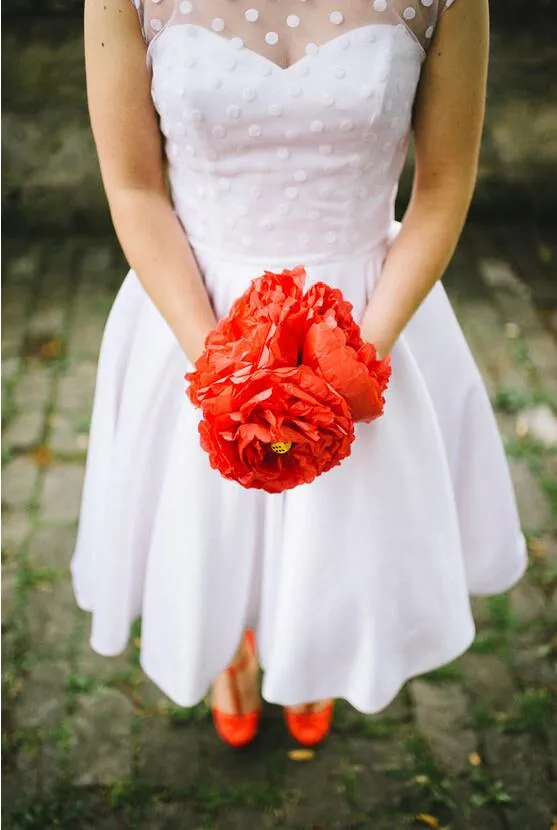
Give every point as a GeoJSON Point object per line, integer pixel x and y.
{"type": "Point", "coordinates": [288, 407]}
{"type": "Point", "coordinates": [335, 350]}
{"type": "Point", "coordinates": [264, 329]}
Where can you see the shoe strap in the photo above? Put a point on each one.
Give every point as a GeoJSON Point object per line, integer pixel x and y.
{"type": "Point", "coordinates": [235, 669]}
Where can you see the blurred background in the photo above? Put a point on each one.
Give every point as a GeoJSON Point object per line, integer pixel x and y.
{"type": "Point", "coordinates": [89, 742]}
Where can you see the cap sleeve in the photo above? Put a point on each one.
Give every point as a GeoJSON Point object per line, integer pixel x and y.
{"type": "Point", "coordinates": [154, 15]}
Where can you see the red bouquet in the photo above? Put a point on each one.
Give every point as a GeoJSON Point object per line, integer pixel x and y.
{"type": "Point", "coordinates": [281, 382]}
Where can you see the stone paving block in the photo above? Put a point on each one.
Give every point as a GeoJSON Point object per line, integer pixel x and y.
{"type": "Point", "coordinates": [314, 792]}
{"type": "Point", "coordinates": [528, 603]}
{"type": "Point", "coordinates": [169, 756]}
{"type": "Point", "coordinates": [15, 304]}
{"type": "Point", "coordinates": [91, 664]}
{"type": "Point", "coordinates": [370, 762]}
{"type": "Point", "coordinates": [480, 610]}
{"type": "Point", "coordinates": [48, 318]}
{"type": "Point", "coordinates": [533, 668]}
{"type": "Point", "coordinates": [151, 696]}
{"type": "Point", "coordinates": [42, 701]}
{"type": "Point", "coordinates": [443, 719]}
{"type": "Point", "coordinates": [68, 435]}
{"type": "Point", "coordinates": [51, 619]}
{"type": "Point", "coordinates": [173, 817]}
{"type": "Point", "coordinates": [540, 423]}
{"type": "Point", "coordinates": [483, 329]}
{"type": "Point", "coordinates": [533, 505]}
{"type": "Point", "coordinates": [85, 338]}
{"type": "Point", "coordinates": [398, 710]}
{"type": "Point", "coordinates": [347, 719]}
{"type": "Point", "coordinates": [16, 526]}
{"type": "Point", "coordinates": [101, 750]}
{"type": "Point", "coordinates": [76, 389]}
{"type": "Point", "coordinates": [104, 823]}
{"type": "Point", "coordinates": [51, 758]}
{"type": "Point", "coordinates": [19, 480]}
{"type": "Point", "coordinates": [9, 583]}
{"type": "Point", "coordinates": [34, 388]}
{"type": "Point", "coordinates": [489, 680]}
{"type": "Point", "coordinates": [60, 499]}
{"type": "Point", "coordinates": [468, 817]}
{"type": "Point", "coordinates": [552, 744]}
{"type": "Point", "coordinates": [51, 546]}
{"type": "Point", "coordinates": [96, 265]}
{"type": "Point", "coordinates": [10, 368]}
{"type": "Point", "coordinates": [228, 770]}
{"type": "Point", "coordinates": [543, 354]}
{"type": "Point", "coordinates": [25, 431]}
{"type": "Point", "coordinates": [22, 268]}
{"type": "Point", "coordinates": [243, 818]}
{"type": "Point", "coordinates": [521, 765]}
{"type": "Point", "coordinates": [20, 785]}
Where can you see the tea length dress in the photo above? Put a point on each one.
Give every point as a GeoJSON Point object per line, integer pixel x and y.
{"type": "Point", "coordinates": [362, 579]}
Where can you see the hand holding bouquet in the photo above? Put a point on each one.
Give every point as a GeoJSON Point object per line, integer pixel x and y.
{"type": "Point", "coordinates": [281, 382]}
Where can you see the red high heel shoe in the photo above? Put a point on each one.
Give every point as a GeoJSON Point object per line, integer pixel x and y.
{"type": "Point", "coordinates": [310, 728]}
{"type": "Point", "coordinates": [240, 728]}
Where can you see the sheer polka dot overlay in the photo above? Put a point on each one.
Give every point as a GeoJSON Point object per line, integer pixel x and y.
{"type": "Point", "coordinates": [282, 32]}
{"type": "Point", "coordinates": [285, 123]}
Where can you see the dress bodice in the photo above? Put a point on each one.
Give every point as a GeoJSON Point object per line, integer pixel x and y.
{"type": "Point", "coordinates": [286, 126]}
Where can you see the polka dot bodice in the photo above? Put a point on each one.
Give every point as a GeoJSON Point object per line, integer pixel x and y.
{"type": "Point", "coordinates": [286, 124]}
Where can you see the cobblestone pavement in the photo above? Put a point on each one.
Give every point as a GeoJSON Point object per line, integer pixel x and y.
{"type": "Point", "coordinates": [90, 744]}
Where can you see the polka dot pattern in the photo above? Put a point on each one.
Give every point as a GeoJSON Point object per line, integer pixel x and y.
{"type": "Point", "coordinates": [293, 161]}
{"type": "Point", "coordinates": [247, 27]}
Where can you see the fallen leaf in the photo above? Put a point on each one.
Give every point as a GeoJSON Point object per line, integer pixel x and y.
{"type": "Point", "coordinates": [475, 759]}
{"type": "Point", "coordinates": [429, 821]}
{"type": "Point", "coordinates": [421, 779]}
{"type": "Point", "coordinates": [42, 456]}
{"type": "Point", "coordinates": [44, 587]}
{"type": "Point", "coordinates": [82, 441]}
{"type": "Point", "coordinates": [522, 428]}
{"type": "Point", "coordinates": [512, 331]}
{"type": "Point", "coordinates": [51, 349]}
{"type": "Point", "coordinates": [301, 754]}
{"type": "Point", "coordinates": [537, 548]}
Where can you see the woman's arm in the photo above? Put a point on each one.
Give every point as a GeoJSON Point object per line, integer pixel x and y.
{"type": "Point", "coordinates": [448, 120]}
{"type": "Point", "coordinates": [128, 141]}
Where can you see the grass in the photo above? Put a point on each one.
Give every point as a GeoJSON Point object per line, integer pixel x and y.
{"type": "Point", "coordinates": [349, 722]}
{"type": "Point", "coordinates": [487, 792]}
{"type": "Point", "coordinates": [549, 485]}
{"type": "Point", "coordinates": [432, 788]}
{"type": "Point", "coordinates": [197, 714]}
{"type": "Point", "coordinates": [527, 449]}
{"type": "Point", "coordinates": [535, 708]}
{"type": "Point", "coordinates": [445, 674]}
{"type": "Point", "coordinates": [500, 613]}
{"type": "Point", "coordinates": [489, 642]}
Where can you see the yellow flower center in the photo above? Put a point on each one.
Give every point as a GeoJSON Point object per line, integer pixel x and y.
{"type": "Point", "coordinates": [281, 447]}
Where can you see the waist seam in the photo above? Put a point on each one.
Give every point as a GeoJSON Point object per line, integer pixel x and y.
{"type": "Point", "coordinates": [289, 258]}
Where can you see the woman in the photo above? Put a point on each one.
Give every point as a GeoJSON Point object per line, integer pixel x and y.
{"type": "Point", "coordinates": [284, 128]}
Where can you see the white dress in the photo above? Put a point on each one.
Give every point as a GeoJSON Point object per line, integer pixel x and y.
{"type": "Point", "coordinates": [286, 128]}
